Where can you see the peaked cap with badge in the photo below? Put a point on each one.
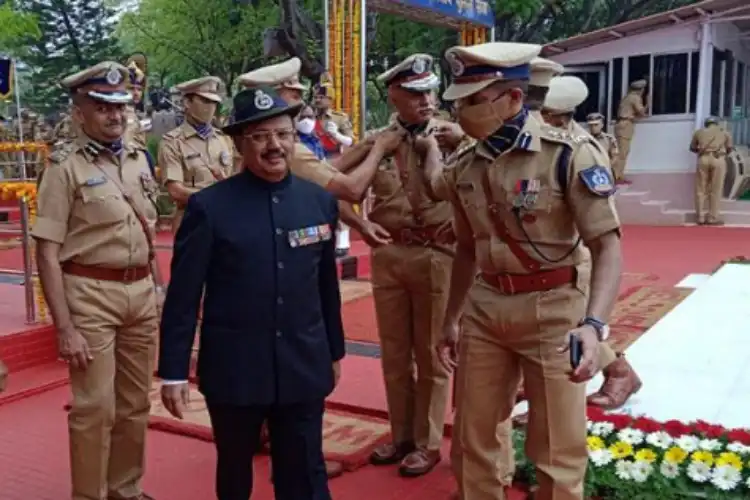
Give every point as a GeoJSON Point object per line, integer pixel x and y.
{"type": "Point", "coordinates": [255, 105]}
{"type": "Point", "coordinates": [207, 87]}
{"type": "Point", "coordinates": [413, 74]}
{"type": "Point", "coordinates": [543, 70]}
{"type": "Point", "coordinates": [565, 94]}
{"type": "Point", "coordinates": [283, 75]}
{"type": "Point", "coordinates": [638, 84]}
{"type": "Point", "coordinates": [595, 119]}
{"type": "Point", "coordinates": [103, 82]}
{"type": "Point", "coordinates": [476, 67]}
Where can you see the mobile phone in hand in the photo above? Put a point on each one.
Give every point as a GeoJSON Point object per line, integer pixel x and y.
{"type": "Point", "coordinates": [576, 351]}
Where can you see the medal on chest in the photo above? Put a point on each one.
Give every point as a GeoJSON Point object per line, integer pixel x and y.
{"type": "Point", "coordinates": [527, 194]}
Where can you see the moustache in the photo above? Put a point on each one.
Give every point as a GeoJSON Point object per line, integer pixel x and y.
{"type": "Point", "coordinates": [272, 153]}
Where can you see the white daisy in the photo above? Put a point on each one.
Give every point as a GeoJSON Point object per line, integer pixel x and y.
{"type": "Point", "coordinates": [699, 472]}
{"type": "Point", "coordinates": [737, 447]}
{"type": "Point", "coordinates": [725, 477]}
{"type": "Point", "coordinates": [624, 469]}
{"type": "Point", "coordinates": [709, 444]}
{"type": "Point", "coordinates": [669, 470]}
{"type": "Point", "coordinates": [631, 436]}
{"type": "Point", "coordinates": [640, 471]}
{"type": "Point", "coordinates": [602, 429]}
{"type": "Point", "coordinates": [660, 440]}
{"type": "Point", "coordinates": [688, 443]}
{"type": "Point", "coordinates": [600, 458]}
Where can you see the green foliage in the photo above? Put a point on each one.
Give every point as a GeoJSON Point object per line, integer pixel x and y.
{"type": "Point", "coordinates": [186, 39]}
{"type": "Point", "coordinates": [74, 34]}
{"type": "Point", "coordinates": [15, 28]}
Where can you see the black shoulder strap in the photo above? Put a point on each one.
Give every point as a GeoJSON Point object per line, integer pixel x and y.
{"type": "Point", "coordinates": [561, 170]}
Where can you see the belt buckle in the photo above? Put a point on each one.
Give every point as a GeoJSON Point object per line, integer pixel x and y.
{"type": "Point", "coordinates": [505, 282]}
{"type": "Point", "coordinates": [128, 276]}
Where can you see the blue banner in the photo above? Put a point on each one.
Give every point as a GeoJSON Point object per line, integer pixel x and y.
{"type": "Point", "coordinates": [6, 78]}
{"type": "Point", "coordinates": [477, 12]}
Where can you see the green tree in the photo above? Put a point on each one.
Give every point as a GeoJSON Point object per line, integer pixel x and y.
{"type": "Point", "coordinates": [15, 27]}
{"type": "Point", "coordinates": [187, 39]}
{"type": "Point", "coordinates": [75, 34]}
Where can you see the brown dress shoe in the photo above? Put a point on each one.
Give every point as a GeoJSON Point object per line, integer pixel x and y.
{"type": "Point", "coordinates": [620, 382]}
{"type": "Point", "coordinates": [390, 453]}
{"type": "Point", "coordinates": [334, 469]}
{"type": "Point", "coordinates": [419, 462]}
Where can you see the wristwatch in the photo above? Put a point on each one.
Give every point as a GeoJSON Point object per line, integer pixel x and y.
{"type": "Point", "coordinates": [602, 328]}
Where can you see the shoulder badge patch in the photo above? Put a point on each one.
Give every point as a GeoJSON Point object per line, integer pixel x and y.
{"type": "Point", "coordinates": [598, 180]}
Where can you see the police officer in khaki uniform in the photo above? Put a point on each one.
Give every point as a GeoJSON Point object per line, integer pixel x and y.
{"type": "Point", "coordinates": [520, 261]}
{"type": "Point", "coordinates": [138, 123]}
{"type": "Point", "coordinates": [565, 94]}
{"type": "Point", "coordinates": [195, 154]}
{"type": "Point", "coordinates": [333, 127]}
{"type": "Point", "coordinates": [607, 141]}
{"type": "Point", "coordinates": [631, 108]}
{"type": "Point", "coordinates": [712, 144]}
{"type": "Point", "coordinates": [95, 255]}
{"type": "Point", "coordinates": [410, 276]}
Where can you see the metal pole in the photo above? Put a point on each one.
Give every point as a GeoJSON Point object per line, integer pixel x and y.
{"type": "Point", "coordinates": [363, 69]}
{"type": "Point", "coordinates": [705, 62]}
{"type": "Point", "coordinates": [492, 34]}
{"type": "Point", "coordinates": [326, 35]}
{"type": "Point", "coordinates": [17, 92]}
{"type": "Point", "coordinates": [28, 283]}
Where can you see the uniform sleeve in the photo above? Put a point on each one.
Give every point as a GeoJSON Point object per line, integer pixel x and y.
{"type": "Point", "coordinates": [728, 144]}
{"type": "Point", "coordinates": [694, 142]}
{"type": "Point", "coordinates": [638, 107]}
{"type": "Point", "coordinates": [345, 127]}
{"type": "Point", "coordinates": [54, 203]}
{"type": "Point", "coordinates": [591, 194]}
{"type": "Point", "coordinates": [306, 165]}
{"type": "Point", "coordinates": [190, 261]}
{"type": "Point", "coordinates": [461, 226]}
{"type": "Point", "coordinates": [330, 296]}
{"type": "Point", "coordinates": [170, 162]}
{"type": "Point", "coordinates": [614, 148]}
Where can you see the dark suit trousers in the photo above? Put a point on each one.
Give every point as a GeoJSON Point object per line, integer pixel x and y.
{"type": "Point", "coordinates": [296, 433]}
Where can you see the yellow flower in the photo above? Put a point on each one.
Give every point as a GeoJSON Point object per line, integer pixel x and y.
{"type": "Point", "coordinates": [621, 450]}
{"type": "Point", "coordinates": [730, 459]}
{"type": "Point", "coordinates": [675, 455]}
{"type": "Point", "coordinates": [705, 457]}
{"type": "Point", "coordinates": [645, 455]}
{"type": "Point", "coordinates": [595, 443]}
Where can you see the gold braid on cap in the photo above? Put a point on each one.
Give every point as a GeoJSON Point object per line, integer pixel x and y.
{"type": "Point", "coordinates": [138, 67]}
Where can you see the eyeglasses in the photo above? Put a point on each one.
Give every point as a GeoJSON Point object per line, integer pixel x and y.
{"type": "Point", "coordinates": [265, 136]}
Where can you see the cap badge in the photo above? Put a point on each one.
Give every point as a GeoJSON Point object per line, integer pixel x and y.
{"type": "Point", "coordinates": [419, 65]}
{"type": "Point", "coordinates": [114, 77]}
{"type": "Point", "coordinates": [457, 67]}
{"type": "Point", "coordinates": [263, 101]}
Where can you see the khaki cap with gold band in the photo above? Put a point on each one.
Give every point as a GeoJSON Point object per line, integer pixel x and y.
{"type": "Point", "coordinates": [638, 84]}
{"type": "Point", "coordinates": [206, 87]}
{"type": "Point", "coordinates": [282, 75]}
{"type": "Point", "coordinates": [105, 82]}
{"type": "Point", "coordinates": [565, 94]}
{"type": "Point", "coordinates": [413, 74]}
{"type": "Point", "coordinates": [476, 67]}
{"type": "Point", "coordinates": [543, 70]}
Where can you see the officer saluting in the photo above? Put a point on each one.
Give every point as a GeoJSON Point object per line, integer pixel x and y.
{"type": "Point", "coordinates": [195, 155]}
{"type": "Point", "coordinates": [95, 255]}
{"type": "Point", "coordinates": [275, 356]}
{"type": "Point", "coordinates": [524, 198]}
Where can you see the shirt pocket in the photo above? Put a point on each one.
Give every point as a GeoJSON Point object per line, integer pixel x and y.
{"type": "Point", "coordinates": [101, 205]}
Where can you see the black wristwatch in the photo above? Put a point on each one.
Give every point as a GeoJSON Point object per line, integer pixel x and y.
{"type": "Point", "coordinates": [602, 328]}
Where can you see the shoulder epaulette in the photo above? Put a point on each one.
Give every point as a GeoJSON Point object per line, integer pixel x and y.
{"type": "Point", "coordinates": [340, 113]}
{"type": "Point", "coordinates": [61, 150]}
{"type": "Point", "coordinates": [172, 134]}
{"type": "Point", "coordinates": [463, 151]}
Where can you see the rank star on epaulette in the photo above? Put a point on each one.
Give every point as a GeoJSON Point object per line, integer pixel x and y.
{"type": "Point", "coordinates": [598, 180]}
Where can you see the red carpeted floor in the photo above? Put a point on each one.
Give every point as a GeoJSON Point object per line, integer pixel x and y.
{"type": "Point", "coordinates": [33, 436]}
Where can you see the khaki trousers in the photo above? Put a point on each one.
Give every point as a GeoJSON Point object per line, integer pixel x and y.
{"type": "Point", "coordinates": [410, 288]}
{"type": "Point", "coordinates": [709, 185]}
{"type": "Point", "coordinates": [110, 408]}
{"type": "Point", "coordinates": [503, 338]}
{"type": "Point", "coordinates": [624, 130]}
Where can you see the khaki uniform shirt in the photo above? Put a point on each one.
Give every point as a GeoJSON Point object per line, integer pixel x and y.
{"type": "Point", "coordinates": [402, 196]}
{"type": "Point", "coordinates": [631, 107]}
{"type": "Point", "coordinates": [185, 157]}
{"type": "Point", "coordinates": [578, 133]}
{"type": "Point", "coordinates": [712, 139]}
{"type": "Point", "coordinates": [552, 221]}
{"type": "Point", "coordinates": [609, 143]}
{"type": "Point", "coordinates": [81, 207]}
{"type": "Point", "coordinates": [306, 165]}
{"type": "Point", "coordinates": [136, 128]}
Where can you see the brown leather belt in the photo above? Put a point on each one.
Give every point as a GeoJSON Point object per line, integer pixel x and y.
{"type": "Point", "coordinates": [424, 236]}
{"type": "Point", "coordinates": [127, 275]}
{"type": "Point", "coordinates": [513, 284]}
{"type": "Point", "coordinates": [715, 154]}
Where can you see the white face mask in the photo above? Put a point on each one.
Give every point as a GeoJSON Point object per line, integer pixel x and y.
{"type": "Point", "coordinates": [306, 126]}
